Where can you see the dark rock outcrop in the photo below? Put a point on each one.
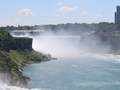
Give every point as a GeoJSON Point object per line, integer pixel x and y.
{"type": "Point", "coordinates": [17, 43]}
{"type": "Point", "coordinates": [91, 40]}
{"type": "Point", "coordinates": [113, 41]}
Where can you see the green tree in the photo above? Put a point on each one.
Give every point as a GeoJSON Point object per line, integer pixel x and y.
{"type": "Point", "coordinates": [4, 35]}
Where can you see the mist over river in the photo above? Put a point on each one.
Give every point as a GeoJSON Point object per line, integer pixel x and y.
{"type": "Point", "coordinates": [74, 69]}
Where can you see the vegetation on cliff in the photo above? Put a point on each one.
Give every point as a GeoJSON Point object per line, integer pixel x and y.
{"type": "Point", "coordinates": [8, 42]}
{"type": "Point", "coordinates": [4, 35]}
{"type": "Point", "coordinates": [12, 62]}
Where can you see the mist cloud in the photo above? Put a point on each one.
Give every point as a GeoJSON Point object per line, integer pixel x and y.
{"type": "Point", "coordinates": [93, 44]}
{"type": "Point", "coordinates": [57, 46]}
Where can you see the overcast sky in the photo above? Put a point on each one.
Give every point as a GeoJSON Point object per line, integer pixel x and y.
{"type": "Point", "coordinates": [40, 12]}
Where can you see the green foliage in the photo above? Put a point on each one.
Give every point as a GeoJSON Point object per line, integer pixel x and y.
{"type": "Point", "coordinates": [4, 35]}
{"type": "Point", "coordinates": [13, 63]}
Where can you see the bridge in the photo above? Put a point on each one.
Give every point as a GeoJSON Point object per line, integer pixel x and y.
{"type": "Point", "coordinates": [23, 32]}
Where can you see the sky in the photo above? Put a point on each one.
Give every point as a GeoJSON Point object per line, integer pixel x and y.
{"type": "Point", "coordinates": [42, 12]}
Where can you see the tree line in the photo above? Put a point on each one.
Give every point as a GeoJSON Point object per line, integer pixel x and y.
{"type": "Point", "coordinates": [69, 27]}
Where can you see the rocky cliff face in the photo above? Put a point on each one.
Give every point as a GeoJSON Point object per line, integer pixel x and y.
{"type": "Point", "coordinates": [17, 43]}
{"type": "Point", "coordinates": [113, 42]}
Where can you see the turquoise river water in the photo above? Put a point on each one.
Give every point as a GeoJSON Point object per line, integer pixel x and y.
{"type": "Point", "coordinates": [74, 69]}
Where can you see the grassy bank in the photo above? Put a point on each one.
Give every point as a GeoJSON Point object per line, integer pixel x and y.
{"type": "Point", "coordinates": [13, 62]}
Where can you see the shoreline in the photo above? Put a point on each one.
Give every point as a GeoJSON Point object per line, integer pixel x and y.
{"type": "Point", "coordinates": [28, 64]}
{"type": "Point", "coordinates": [20, 59]}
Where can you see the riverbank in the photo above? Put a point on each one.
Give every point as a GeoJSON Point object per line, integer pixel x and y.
{"type": "Point", "coordinates": [13, 63]}
{"type": "Point", "coordinates": [15, 54]}
{"type": "Point", "coordinates": [28, 78]}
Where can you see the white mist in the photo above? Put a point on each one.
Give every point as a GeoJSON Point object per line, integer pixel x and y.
{"type": "Point", "coordinates": [57, 46]}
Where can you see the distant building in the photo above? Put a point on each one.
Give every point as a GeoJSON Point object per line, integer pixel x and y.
{"type": "Point", "coordinates": [117, 15]}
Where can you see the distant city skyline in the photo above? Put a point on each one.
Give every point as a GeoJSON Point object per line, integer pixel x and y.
{"type": "Point", "coordinates": [37, 12]}
{"type": "Point", "coordinates": [117, 15]}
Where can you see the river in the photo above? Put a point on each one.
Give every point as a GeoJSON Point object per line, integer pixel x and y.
{"type": "Point", "coordinates": [74, 69]}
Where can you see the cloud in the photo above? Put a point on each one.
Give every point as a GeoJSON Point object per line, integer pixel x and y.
{"type": "Point", "coordinates": [99, 15]}
{"type": "Point", "coordinates": [57, 15]}
{"type": "Point", "coordinates": [60, 3]}
{"type": "Point", "coordinates": [65, 9]}
{"type": "Point", "coordinates": [84, 13]}
{"type": "Point", "coordinates": [25, 12]}
{"type": "Point", "coordinates": [16, 20]}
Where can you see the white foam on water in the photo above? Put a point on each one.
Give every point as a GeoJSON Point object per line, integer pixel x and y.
{"type": "Point", "coordinates": [7, 87]}
{"type": "Point", "coordinates": [97, 84]}
{"type": "Point", "coordinates": [107, 57]}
